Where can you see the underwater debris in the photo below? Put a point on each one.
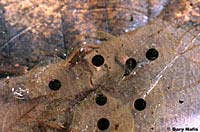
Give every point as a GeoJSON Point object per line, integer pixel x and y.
{"type": "Point", "coordinates": [54, 90]}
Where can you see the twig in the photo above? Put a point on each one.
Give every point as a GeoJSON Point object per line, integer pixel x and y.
{"type": "Point", "coordinates": [10, 70]}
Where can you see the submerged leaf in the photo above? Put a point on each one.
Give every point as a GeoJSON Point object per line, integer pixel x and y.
{"type": "Point", "coordinates": [159, 93]}
{"type": "Point", "coordinates": [174, 75]}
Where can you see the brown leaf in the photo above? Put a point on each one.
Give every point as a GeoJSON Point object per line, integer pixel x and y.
{"type": "Point", "coordinates": [159, 93]}
{"type": "Point", "coordinates": [161, 82]}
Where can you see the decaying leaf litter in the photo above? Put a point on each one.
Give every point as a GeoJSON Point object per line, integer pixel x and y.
{"type": "Point", "coordinates": [173, 76]}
